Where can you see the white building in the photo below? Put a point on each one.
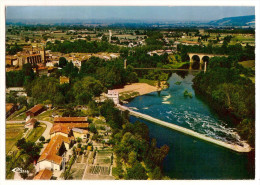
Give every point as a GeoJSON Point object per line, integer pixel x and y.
{"type": "Point", "coordinates": [113, 95]}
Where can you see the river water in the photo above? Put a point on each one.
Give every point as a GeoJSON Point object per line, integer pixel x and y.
{"type": "Point", "coordinates": [191, 158]}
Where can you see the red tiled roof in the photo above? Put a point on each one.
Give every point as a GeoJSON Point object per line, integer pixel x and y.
{"type": "Point", "coordinates": [66, 127]}
{"type": "Point", "coordinates": [36, 108]}
{"type": "Point", "coordinates": [43, 175]}
{"type": "Point", "coordinates": [8, 106]}
{"type": "Point", "coordinates": [70, 119]}
{"type": "Point", "coordinates": [51, 150]}
{"type": "Point", "coordinates": [60, 128]}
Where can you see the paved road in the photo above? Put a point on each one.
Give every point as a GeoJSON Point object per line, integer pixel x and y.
{"type": "Point", "coordinates": [46, 133]}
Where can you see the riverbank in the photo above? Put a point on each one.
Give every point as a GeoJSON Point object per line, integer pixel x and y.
{"type": "Point", "coordinates": [138, 89]}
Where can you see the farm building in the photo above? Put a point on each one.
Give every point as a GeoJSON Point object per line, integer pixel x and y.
{"type": "Point", "coordinates": [37, 109]}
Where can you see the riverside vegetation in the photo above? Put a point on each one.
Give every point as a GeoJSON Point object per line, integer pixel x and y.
{"type": "Point", "coordinates": [228, 88]}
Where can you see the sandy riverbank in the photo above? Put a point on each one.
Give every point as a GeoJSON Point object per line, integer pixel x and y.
{"type": "Point", "coordinates": [136, 89]}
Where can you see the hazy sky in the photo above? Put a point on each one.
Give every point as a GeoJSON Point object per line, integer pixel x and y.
{"type": "Point", "coordinates": [141, 13]}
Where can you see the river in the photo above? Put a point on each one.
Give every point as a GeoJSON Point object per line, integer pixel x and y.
{"type": "Point", "coordinates": [191, 158]}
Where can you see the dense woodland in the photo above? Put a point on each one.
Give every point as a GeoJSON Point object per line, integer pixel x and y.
{"type": "Point", "coordinates": [230, 92]}
{"type": "Point", "coordinates": [94, 77]}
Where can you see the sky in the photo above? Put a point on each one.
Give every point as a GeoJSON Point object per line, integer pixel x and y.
{"type": "Point", "coordinates": [181, 13]}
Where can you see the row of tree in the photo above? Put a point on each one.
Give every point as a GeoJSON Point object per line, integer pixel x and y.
{"type": "Point", "coordinates": [229, 90]}
{"type": "Point", "coordinates": [242, 53]}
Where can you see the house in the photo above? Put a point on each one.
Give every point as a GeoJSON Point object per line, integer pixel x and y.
{"type": "Point", "coordinates": [64, 79]}
{"type": "Point", "coordinates": [65, 129]}
{"type": "Point", "coordinates": [77, 132]}
{"type": "Point", "coordinates": [60, 129]}
{"type": "Point", "coordinates": [113, 95]}
{"type": "Point", "coordinates": [37, 109]}
{"type": "Point", "coordinates": [43, 175]}
{"type": "Point", "coordinates": [71, 120]}
{"type": "Point", "coordinates": [53, 155]}
{"type": "Point", "coordinates": [10, 108]}
{"type": "Point", "coordinates": [30, 124]}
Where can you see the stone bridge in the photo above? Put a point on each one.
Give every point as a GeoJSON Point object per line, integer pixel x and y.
{"type": "Point", "coordinates": [202, 58]}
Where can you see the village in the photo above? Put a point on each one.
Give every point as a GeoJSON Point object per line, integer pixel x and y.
{"type": "Point", "coordinates": [76, 145]}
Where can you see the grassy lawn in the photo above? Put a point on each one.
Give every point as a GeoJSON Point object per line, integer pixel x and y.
{"type": "Point", "coordinates": [14, 132]}
{"type": "Point", "coordinates": [36, 133]}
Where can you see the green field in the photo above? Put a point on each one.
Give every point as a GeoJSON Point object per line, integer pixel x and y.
{"type": "Point", "coordinates": [36, 133]}
{"type": "Point", "coordinates": [14, 132]}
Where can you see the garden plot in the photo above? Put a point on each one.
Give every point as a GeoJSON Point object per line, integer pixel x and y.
{"type": "Point", "coordinates": [79, 159]}
{"type": "Point", "coordinates": [77, 170]}
{"type": "Point", "coordinates": [104, 158]}
{"type": "Point", "coordinates": [99, 170]}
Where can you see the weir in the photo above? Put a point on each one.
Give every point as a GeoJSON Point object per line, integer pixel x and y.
{"type": "Point", "coordinates": [235, 147]}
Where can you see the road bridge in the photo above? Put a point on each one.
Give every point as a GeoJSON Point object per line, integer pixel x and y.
{"type": "Point", "coordinates": [235, 147]}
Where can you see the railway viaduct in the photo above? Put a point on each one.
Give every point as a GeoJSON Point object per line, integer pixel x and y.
{"type": "Point", "coordinates": [202, 58]}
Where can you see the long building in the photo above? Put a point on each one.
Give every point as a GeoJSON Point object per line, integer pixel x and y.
{"type": "Point", "coordinates": [52, 156]}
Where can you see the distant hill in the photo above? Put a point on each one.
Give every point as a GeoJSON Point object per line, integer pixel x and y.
{"type": "Point", "coordinates": [235, 21]}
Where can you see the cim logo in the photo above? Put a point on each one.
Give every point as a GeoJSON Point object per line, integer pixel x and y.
{"type": "Point", "coordinates": [20, 170]}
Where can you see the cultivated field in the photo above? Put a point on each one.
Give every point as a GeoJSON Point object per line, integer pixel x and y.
{"type": "Point", "coordinates": [14, 132]}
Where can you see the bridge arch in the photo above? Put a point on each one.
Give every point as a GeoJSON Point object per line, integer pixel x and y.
{"type": "Point", "coordinates": [195, 62]}
{"type": "Point", "coordinates": [203, 57]}
{"type": "Point", "coordinates": [205, 61]}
